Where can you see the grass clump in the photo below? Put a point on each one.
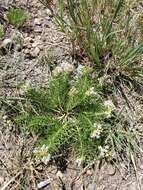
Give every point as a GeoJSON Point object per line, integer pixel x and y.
{"type": "Point", "coordinates": [17, 17]}
{"type": "Point", "coordinates": [103, 31]}
{"type": "Point", "coordinates": [73, 115]}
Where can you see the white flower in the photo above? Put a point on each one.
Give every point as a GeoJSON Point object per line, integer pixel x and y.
{"type": "Point", "coordinates": [67, 67]}
{"type": "Point", "coordinates": [24, 87]}
{"type": "Point", "coordinates": [110, 107]}
{"type": "Point", "coordinates": [79, 161]}
{"type": "Point", "coordinates": [80, 69]}
{"type": "Point", "coordinates": [36, 150]}
{"type": "Point", "coordinates": [46, 159]}
{"type": "Point", "coordinates": [97, 132]}
{"type": "Point", "coordinates": [97, 125]}
{"type": "Point", "coordinates": [73, 91]}
{"type": "Point", "coordinates": [58, 70]}
{"type": "Point", "coordinates": [41, 151]}
{"type": "Point", "coordinates": [91, 92]}
{"type": "Point", "coordinates": [104, 151]}
{"type": "Point", "coordinates": [44, 148]}
{"type": "Point", "coordinates": [109, 104]}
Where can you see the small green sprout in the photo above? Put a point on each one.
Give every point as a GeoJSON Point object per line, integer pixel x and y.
{"type": "Point", "coordinates": [17, 17]}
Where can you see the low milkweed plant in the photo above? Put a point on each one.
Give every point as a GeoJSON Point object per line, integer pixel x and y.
{"type": "Point", "coordinates": [73, 115]}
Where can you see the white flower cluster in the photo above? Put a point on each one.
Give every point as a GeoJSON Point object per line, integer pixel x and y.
{"type": "Point", "coordinates": [6, 121]}
{"type": "Point", "coordinates": [79, 161]}
{"type": "Point", "coordinates": [91, 92]}
{"type": "Point", "coordinates": [109, 104]}
{"type": "Point", "coordinates": [63, 67]}
{"type": "Point", "coordinates": [80, 70]}
{"type": "Point", "coordinates": [110, 107]}
{"type": "Point", "coordinates": [42, 153]}
{"type": "Point", "coordinates": [97, 132]}
{"type": "Point", "coordinates": [24, 87]}
{"type": "Point", "coordinates": [73, 91]}
{"type": "Point", "coordinates": [104, 151]}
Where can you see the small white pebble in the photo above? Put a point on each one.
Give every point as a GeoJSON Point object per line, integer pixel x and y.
{"type": "Point", "coordinates": [43, 184]}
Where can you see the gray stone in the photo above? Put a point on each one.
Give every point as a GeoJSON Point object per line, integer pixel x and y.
{"type": "Point", "coordinates": [43, 184]}
{"type": "Point", "coordinates": [37, 21]}
{"type": "Point", "coordinates": [7, 43]}
{"type": "Point", "coordinates": [35, 52]}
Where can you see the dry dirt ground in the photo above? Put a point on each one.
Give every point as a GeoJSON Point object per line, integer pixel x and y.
{"type": "Point", "coordinates": [39, 47]}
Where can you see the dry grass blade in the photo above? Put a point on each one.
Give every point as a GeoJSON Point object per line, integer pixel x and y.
{"type": "Point", "coordinates": [10, 181]}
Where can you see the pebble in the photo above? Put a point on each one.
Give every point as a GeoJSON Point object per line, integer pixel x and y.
{"type": "Point", "coordinates": [37, 21]}
{"type": "Point", "coordinates": [7, 43]}
{"type": "Point", "coordinates": [6, 46]}
{"type": "Point", "coordinates": [43, 184]}
{"type": "Point", "coordinates": [27, 51]}
{"type": "Point", "coordinates": [89, 173]}
{"type": "Point", "coordinates": [28, 46]}
{"type": "Point", "coordinates": [35, 52]}
{"type": "Point", "coordinates": [38, 29]}
{"type": "Point", "coordinates": [28, 40]}
{"type": "Point", "coordinates": [49, 13]}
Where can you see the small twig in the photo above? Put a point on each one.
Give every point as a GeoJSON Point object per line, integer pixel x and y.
{"type": "Point", "coordinates": [11, 98]}
{"type": "Point", "coordinates": [9, 182]}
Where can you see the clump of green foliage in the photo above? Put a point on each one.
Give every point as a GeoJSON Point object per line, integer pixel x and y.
{"type": "Point", "coordinates": [17, 17]}
{"type": "Point", "coordinates": [1, 31]}
{"type": "Point", "coordinates": [102, 30]}
{"type": "Point", "coordinates": [73, 115]}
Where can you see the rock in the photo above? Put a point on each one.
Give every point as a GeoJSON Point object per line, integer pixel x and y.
{"type": "Point", "coordinates": [18, 47]}
{"type": "Point", "coordinates": [7, 43]}
{"type": "Point", "coordinates": [49, 13]}
{"type": "Point", "coordinates": [27, 51]}
{"type": "Point", "coordinates": [28, 46]}
{"type": "Point", "coordinates": [43, 184]}
{"type": "Point", "coordinates": [28, 40]}
{"type": "Point", "coordinates": [6, 46]}
{"type": "Point", "coordinates": [32, 36]}
{"type": "Point", "coordinates": [38, 29]}
{"type": "Point", "coordinates": [35, 52]}
{"type": "Point", "coordinates": [89, 173]}
{"type": "Point", "coordinates": [37, 21]}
